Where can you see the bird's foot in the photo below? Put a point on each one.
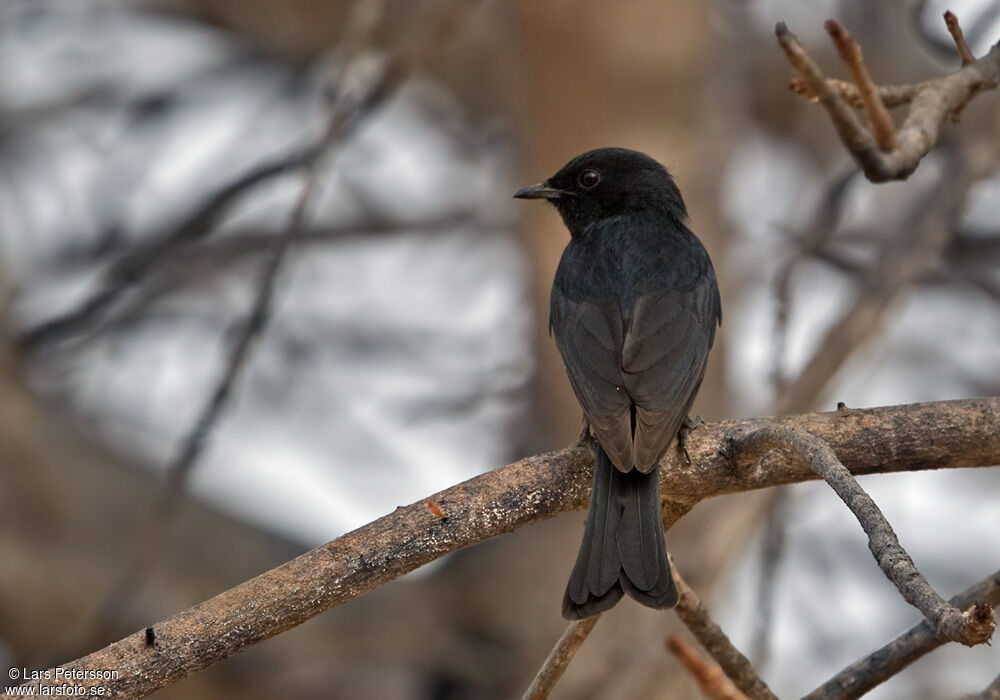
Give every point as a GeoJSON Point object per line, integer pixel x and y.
{"type": "Point", "coordinates": [584, 437]}
{"type": "Point", "coordinates": [683, 434]}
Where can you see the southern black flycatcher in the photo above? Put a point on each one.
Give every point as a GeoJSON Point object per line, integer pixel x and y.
{"type": "Point", "coordinates": [634, 309]}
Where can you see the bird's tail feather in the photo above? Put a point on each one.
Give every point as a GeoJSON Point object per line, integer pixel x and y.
{"type": "Point", "coordinates": [623, 549]}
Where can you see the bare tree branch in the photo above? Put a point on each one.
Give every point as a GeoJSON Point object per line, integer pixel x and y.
{"type": "Point", "coordinates": [948, 434]}
{"type": "Point", "coordinates": [713, 682]}
{"type": "Point", "coordinates": [560, 656]}
{"type": "Point", "coordinates": [135, 266]}
{"type": "Point", "coordinates": [850, 53]}
{"type": "Point", "coordinates": [969, 627]}
{"type": "Point", "coordinates": [956, 33]}
{"type": "Point", "coordinates": [890, 95]}
{"type": "Point", "coordinates": [882, 153]}
{"type": "Point", "coordinates": [881, 665]}
{"type": "Point", "coordinates": [194, 263]}
{"type": "Point", "coordinates": [736, 666]}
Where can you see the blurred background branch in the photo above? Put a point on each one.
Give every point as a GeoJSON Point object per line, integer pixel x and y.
{"type": "Point", "coordinates": [714, 684]}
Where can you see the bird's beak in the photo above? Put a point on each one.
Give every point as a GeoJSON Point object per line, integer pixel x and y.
{"type": "Point", "coordinates": [540, 191]}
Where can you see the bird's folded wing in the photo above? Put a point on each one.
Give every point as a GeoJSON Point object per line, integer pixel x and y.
{"type": "Point", "coordinates": [664, 355]}
{"type": "Point", "coordinates": [589, 336]}
{"type": "Point", "coordinates": [656, 362]}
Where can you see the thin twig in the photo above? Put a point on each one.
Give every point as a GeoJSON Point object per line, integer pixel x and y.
{"type": "Point", "coordinates": [714, 683]}
{"type": "Point", "coordinates": [133, 267]}
{"type": "Point", "coordinates": [890, 95]}
{"type": "Point", "coordinates": [969, 627]}
{"type": "Point", "coordinates": [918, 436]}
{"type": "Point", "coordinates": [850, 53]}
{"type": "Point", "coordinates": [773, 550]}
{"type": "Point", "coordinates": [931, 102]}
{"type": "Point", "coordinates": [558, 659]}
{"type": "Point", "coordinates": [858, 140]}
{"type": "Point", "coordinates": [955, 29]}
{"type": "Point", "coordinates": [882, 664]}
{"type": "Point", "coordinates": [193, 264]}
{"type": "Point", "coordinates": [671, 511]}
{"type": "Point", "coordinates": [736, 666]}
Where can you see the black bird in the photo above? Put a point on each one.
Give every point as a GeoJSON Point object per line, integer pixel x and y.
{"type": "Point", "coordinates": [635, 305]}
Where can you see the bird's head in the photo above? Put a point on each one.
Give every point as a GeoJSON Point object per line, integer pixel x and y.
{"type": "Point", "coordinates": [608, 182]}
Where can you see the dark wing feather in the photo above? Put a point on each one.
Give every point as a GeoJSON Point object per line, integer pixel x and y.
{"type": "Point", "coordinates": [664, 356]}
{"type": "Point", "coordinates": [589, 336]}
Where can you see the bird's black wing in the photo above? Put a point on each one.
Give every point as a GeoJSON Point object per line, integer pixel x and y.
{"type": "Point", "coordinates": [664, 355]}
{"type": "Point", "coordinates": [590, 336]}
{"type": "Point", "coordinates": [654, 360]}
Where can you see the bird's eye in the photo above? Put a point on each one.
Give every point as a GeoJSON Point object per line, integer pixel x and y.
{"type": "Point", "coordinates": [589, 179]}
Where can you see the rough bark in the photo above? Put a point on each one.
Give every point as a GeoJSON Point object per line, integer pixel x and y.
{"type": "Point", "coordinates": [900, 438]}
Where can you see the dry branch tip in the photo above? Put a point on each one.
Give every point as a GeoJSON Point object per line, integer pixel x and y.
{"type": "Point", "coordinates": [713, 682]}
{"type": "Point", "coordinates": [882, 152]}
{"type": "Point", "coordinates": [979, 622]}
{"type": "Point", "coordinates": [955, 29]}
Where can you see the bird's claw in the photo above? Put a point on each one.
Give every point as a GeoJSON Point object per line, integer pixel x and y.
{"type": "Point", "coordinates": [682, 435]}
{"type": "Point", "coordinates": [584, 437]}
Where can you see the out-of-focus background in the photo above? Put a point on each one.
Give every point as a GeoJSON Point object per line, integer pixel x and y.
{"type": "Point", "coordinates": [263, 281]}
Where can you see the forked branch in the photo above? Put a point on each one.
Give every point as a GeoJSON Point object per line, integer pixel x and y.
{"type": "Point", "coordinates": [883, 152]}
{"type": "Point", "coordinates": [882, 664]}
{"type": "Point", "coordinates": [970, 627]}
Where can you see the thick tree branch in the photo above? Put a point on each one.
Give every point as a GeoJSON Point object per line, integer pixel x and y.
{"type": "Point", "coordinates": [882, 664]}
{"type": "Point", "coordinates": [948, 434]}
{"type": "Point", "coordinates": [736, 666]}
{"type": "Point", "coordinates": [882, 153]}
{"type": "Point", "coordinates": [969, 627]}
